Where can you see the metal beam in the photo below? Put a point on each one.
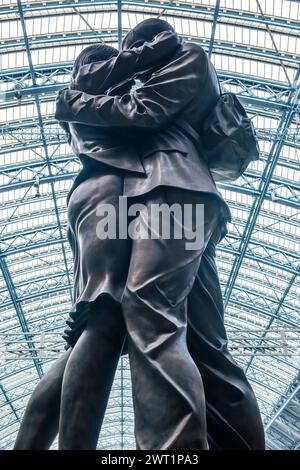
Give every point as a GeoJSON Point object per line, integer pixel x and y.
{"type": "Point", "coordinates": [48, 72]}
{"type": "Point", "coordinates": [16, 183]}
{"type": "Point", "coordinates": [248, 90]}
{"type": "Point", "coordinates": [251, 309]}
{"type": "Point", "coordinates": [120, 24]}
{"type": "Point", "coordinates": [263, 188]}
{"type": "Point", "coordinates": [51, 342]}
{"type": "Point", "coordinates": [213, 30]}
{"type": "Point", "coordinates": [41, 126]}
{"type": "Point", "coordinates": [20, 314]}
{"type": "Point", "coordinates": [277, 310]}
{"type": "Point", "coordinates": [240, 51]}
{"type": "Point", "coordinates": [280, 407]}
{"type": "Point", "coordinates": [187, 8]}
{"type": "Point", "coordinates": [8, 402]}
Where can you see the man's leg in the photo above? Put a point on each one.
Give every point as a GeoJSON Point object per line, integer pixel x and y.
{"type": "Point", "coordinates": [233, 417]}
{"type": "Point", "coordinates": [168, 396]}
{"type": "Point", "coordinates": [40, 422]}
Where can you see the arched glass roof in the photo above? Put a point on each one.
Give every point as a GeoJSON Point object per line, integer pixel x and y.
{"type": "Point", "coordinates": [255, 48]}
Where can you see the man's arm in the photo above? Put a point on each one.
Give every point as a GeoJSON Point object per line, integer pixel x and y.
{"type": "Point", "coordinates": [98, 77]}
{"type": "Point", "coordinates": [150, 107]}
{"type": "Point", "coordinates": [66, 128]}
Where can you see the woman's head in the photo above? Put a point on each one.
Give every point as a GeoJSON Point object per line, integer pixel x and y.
{"type": "Point", "coordinates": [95, 53]}
{"type": "Point", "coordinates": [145, 31]}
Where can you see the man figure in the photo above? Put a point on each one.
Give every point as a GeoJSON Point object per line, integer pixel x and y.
{"type": "Point", "coordinates": [170, 92]}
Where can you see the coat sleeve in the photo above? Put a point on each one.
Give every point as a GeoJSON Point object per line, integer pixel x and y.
{"type": "Point", "coordinates": [66, 128]}
{"type": "Point", "coordinates": [150, 107]}
{"type": "Point", "coordinates": [98, 77]}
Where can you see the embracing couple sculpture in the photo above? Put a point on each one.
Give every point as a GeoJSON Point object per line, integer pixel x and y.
{"type": "Point", "coordinates": [150, 297]}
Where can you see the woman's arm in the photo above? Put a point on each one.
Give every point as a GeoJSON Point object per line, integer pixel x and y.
{"type": "Point", "coordinates": [150, 107]}
{"type": "Point", "coordinates": [98, 77]}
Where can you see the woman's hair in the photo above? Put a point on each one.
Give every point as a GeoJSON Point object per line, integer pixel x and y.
{"type": "Point", "coordinates": [95, 53]}
{"type": "Point", "coordinates": [145, 31]}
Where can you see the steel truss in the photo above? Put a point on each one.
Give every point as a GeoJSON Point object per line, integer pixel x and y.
{"type": "Point", "coordinates": [259, 275]}
{"type": "Point", "coordinates": [49, 345]}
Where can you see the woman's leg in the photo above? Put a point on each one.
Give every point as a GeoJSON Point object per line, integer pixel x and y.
{"type": "Point", "coordinates": [40, 422]}
{"type": "Point", "coordinates": [88, 377]}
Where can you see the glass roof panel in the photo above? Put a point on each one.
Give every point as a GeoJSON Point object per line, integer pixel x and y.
{"type": "Point", "coordinates": [264, 299]}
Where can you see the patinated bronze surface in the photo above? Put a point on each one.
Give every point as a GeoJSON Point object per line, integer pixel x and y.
{"type": "Point", "coordinates": [170, 304]}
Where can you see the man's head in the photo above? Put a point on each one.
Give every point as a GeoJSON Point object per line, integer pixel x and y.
{"type": "Point", "coordinates": [145, 31]}
{"type": "Point", "coordinates": [95, 53]}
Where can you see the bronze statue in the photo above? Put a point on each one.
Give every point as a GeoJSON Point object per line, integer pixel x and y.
{"type": "Point", "coordinates": [167, 298]}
